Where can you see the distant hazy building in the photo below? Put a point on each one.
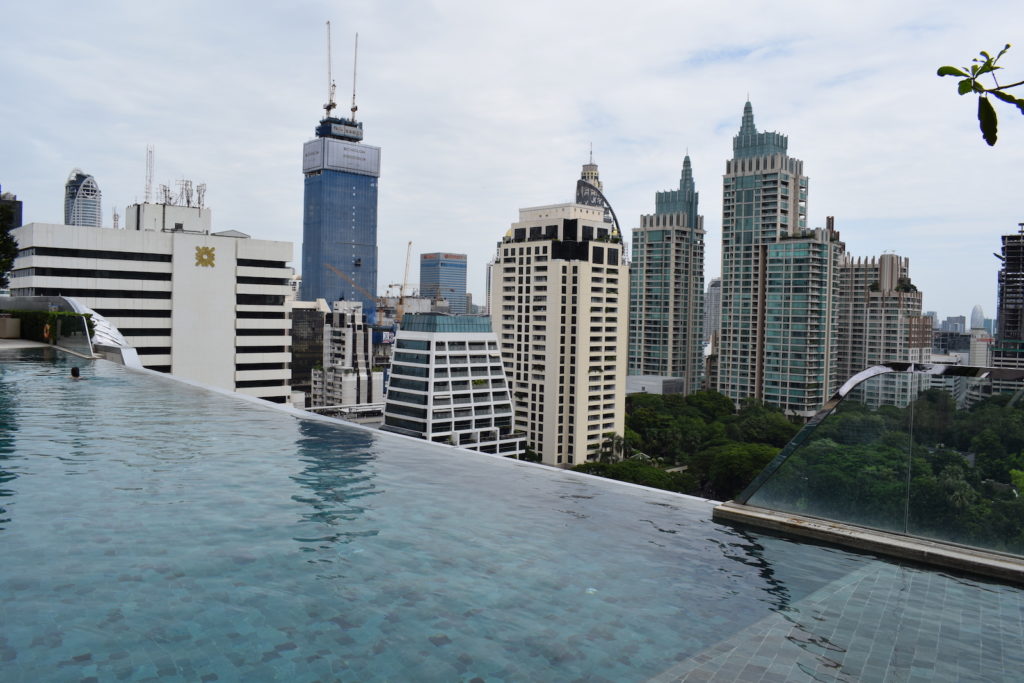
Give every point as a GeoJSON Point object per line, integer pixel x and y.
{"type": "Point", "coordinates": [443, 276]}
{"type": "Point", "coordinates": [558, 302]}
{"type": "Point", "coordinates": [82, 200]}
{"type": "Point", "coordinates": [448, 385]}
{"type": "Point", "coordinates": [209, 307]}
{"type": "Point", "coordinates": [666, 292]}
{"type": "Point", "coordinates": [10, 201]}
{"type": "Point", "coordinates": [880, 320]}
{"type": "Point", "coordinates": [713, 308]}
{"type": "Point", "coordinates": [981, 340]}
{"type": "Point", "coordinates": [954, 323]}
{"type": "Point", "coordinates": [339, 222]}
{"type": "Point", "coordinates": [346, 376]}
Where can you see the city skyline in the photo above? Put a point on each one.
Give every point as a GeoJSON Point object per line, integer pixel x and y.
{"type": "Point", "coordinates": [896, 156]}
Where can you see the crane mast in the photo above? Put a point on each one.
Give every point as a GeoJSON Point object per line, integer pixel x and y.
{"type": "Point", "coordinates": [330, 81]}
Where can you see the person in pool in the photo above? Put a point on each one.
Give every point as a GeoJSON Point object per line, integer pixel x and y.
{"type": "Point", "coordinates": [76, 373]}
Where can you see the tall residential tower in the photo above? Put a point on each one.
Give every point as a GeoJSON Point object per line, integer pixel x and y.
{"type": "Point", "coordinates": [558, 300]}
{"type": "Point", "coordinates": [780, 281]}
{"type": "Point", "coordinates": [667, 287]}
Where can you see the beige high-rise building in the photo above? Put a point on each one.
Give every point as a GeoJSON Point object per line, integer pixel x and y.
{"type": "Point", "coordinates": [880, 320]}
{"type": "Point", "coordinates": [558, 302]}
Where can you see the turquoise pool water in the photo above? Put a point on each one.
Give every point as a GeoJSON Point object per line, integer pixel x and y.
{"type": "Point", "coordinates": [150, 530]}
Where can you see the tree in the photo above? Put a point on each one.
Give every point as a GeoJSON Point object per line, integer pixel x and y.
{"type": "Point", "coordinates": [970, 83]}
{"type": "Point", "coordinates": [613, 448]}
{"type": "Point", "coordinates": [8, 245]}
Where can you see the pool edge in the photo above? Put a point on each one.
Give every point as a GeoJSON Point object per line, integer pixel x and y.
{"type": "Point", "coordinates": [936, 553]}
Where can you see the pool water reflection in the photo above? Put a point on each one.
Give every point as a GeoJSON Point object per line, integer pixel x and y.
{"type": "Point", "coordinates": [154, 530]}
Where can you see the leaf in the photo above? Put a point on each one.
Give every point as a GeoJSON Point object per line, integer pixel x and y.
{"type": "Point", "coordinates": [965, 86]}
{"type": "Point", "coordinates": [987, 120]}
{"type": "Point", "coordinates": [1017, 102]}
{"type": "Point", "coordinates": [951, 71]}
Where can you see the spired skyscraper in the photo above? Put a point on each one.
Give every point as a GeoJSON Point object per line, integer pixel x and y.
{"type": "Point", "coordinates": [339, 220]}
{"type": "Point", "coordinates": [667, 287]}
{"type": "Point", "coordinates": [82, 200]}
{"type": "Point", "coordinates": [780, 281]}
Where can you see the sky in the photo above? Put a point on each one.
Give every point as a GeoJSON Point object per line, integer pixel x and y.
{"type": "Point", "coordinates": [484, 108]}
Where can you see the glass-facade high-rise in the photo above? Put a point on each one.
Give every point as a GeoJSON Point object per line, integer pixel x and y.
{"type": "Point", "coordinates": [339, 222]}
{"type": "Point", "coordinates": [771, 292]}
{"type": "Point", "coordinates": [82, 200]}
{"type": "Point", "coordinates": [443, 276]}
{"type": "Point", "coordinates": [666, 304]}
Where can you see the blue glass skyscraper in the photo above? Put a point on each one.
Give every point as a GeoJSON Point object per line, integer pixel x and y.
{"type": "Point", "coordinates": [443, 276]}
{"type": "Point", "coordinates": [339, 223]}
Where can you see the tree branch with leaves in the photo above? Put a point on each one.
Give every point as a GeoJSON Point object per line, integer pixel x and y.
{"type": "Point", "coordinates": [970, 82]}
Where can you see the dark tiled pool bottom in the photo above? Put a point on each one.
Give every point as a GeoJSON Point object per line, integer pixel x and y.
{"type": "Point", "coordinates": [879, 623]}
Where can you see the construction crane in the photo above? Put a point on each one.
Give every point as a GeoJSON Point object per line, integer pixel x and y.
{"type": "Point", "coordinates": [400, 308]}
{"type": "Point", "coordinates": [349, 280]}
{"type": "Point", "coordinates": [330, 81]}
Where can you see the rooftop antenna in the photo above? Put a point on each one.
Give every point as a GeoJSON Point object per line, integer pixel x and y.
{"type": "Point", "coordinates": [330, 81]}
{"type": "Point", "coordinates": [149, 174]}
{"type": "Point", "coordinates": [117, 219]}
{"type": "Point", "coordinates": [591, 152]}
{"type": "Point", "coordinates": [355, 61]}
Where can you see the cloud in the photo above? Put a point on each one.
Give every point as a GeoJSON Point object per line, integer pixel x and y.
{"type": "Point", "coordinates": [483, 108]}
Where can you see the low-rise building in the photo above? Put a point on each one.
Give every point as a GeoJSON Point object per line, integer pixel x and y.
{"type": "Point", "coordinates": [448, 384]}
{"type": "Point", "coordinates": [346, 377]}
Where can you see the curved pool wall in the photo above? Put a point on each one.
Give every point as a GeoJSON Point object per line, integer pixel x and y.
{"type": "Point", "coordinates": [153, 530]}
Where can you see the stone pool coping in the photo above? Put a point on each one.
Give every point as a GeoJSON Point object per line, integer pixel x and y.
{"type": "Point", "coordinates": [974, 560]}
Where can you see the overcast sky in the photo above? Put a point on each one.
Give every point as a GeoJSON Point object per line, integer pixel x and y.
{"type": "Point", "coordinates": [482, 108]}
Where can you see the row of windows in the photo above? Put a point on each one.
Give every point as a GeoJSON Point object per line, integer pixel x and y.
{"type": "Point", "coordinates": [91, 273]}
{"type": "Point", "coordinates": [261, 366]}
{"type": "Point", "coordinates": [98, 293]}
{"type": "Point", "coordinates": [246, 280]}
{"type": "Point", "coordinates": [96, 253]}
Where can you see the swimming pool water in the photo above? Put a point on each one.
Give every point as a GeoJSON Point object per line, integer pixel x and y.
{"type": "Point", "coordinates": [152, 530]}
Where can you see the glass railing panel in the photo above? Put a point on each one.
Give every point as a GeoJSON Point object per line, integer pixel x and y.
{"type": "Point", "coordinates": [937, 453]}
{"type": "Point", "coordinates": [850, 467]}
{"type": "Point", "coordinates": [967, 474]}
{"type": "Point", "coordinates": [73, 334]}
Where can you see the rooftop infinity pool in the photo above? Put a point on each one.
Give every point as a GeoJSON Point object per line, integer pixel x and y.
{"type": "Point", "coordinates": [152, 530]}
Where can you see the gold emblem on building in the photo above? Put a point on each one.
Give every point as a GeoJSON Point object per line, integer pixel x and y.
{"type": "Point", "coordinates": [205, 256]}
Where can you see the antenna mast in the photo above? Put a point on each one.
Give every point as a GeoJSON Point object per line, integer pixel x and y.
{"type": "Point", "coordinates": [330, 81]}
{"type": "Point", "coordinates": [355, 61]}
{"type": "Point", "coordinates": [149, 174]}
